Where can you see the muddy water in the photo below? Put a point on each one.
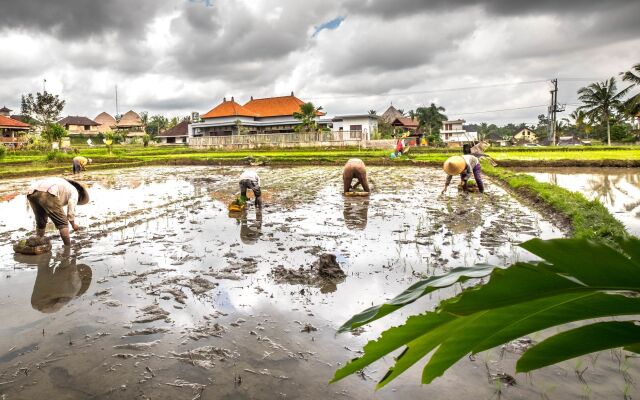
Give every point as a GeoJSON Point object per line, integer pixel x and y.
{"type": "Point", "coordinates": [618, 189]}
{"type": "Point", "coordinates": [166, 295]}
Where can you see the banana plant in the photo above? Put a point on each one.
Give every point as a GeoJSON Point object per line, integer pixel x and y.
{"type": "Point", "coordinates": [577, 280]}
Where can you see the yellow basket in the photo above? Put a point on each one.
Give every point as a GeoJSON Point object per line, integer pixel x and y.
{"type": "Point", "coordinates": [235, 208]}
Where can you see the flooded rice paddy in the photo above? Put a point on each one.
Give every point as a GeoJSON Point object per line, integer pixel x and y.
{"type": "Point", "coordinates": [618, 189]}
{"type": "Point", "coordinates": [165, 295]}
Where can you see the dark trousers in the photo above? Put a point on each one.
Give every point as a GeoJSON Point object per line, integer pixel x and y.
{"type": "Point", "coordinates": [249, 184]}
{"type": "Point", "coordinates": [76, 167]}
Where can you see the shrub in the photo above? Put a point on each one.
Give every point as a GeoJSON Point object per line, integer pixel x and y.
{"type": "Point", "coordinates": [55, 155]}
{"type": "Point", "coordinates": [3, 151]}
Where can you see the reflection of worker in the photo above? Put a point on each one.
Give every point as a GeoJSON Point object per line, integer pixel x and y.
{"type": "Point", "coordinates": [356, 212]}
{"type": "Point", "coordinates": [59, 283]}
{"type": "Point", "coordinates": [251, 180]}
{"type": "Point", "coordinates": [250, 231]}
{"type": "Point", "coordinates": [48, 197]}
{"type": "Point", "coordinates": [464, 165]}
{"type": "Point", "coordinates": [354, 169]}
{"type": "Point", "coordinates": [80, 164]}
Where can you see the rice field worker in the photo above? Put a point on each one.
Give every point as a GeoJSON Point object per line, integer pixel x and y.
{"type": "Point", "coordinates": [80, 164]}
{"type": "Point", "coordinates": [250, 180]}
{"type": "Point", "coordinates": [47, 199]}
{"type": "Point", "coordinates": [464, 165]}
{"type": "Point", "coordinates": [355, 169]}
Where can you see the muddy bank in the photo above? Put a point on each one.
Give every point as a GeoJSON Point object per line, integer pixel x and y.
{"type": "Point", "coordinates": [165, 295]}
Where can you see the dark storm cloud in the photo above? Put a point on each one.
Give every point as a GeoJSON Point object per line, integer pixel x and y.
{"type": "Point", "coordinates": [401, 8]}
{"type": "Point", "coordinates": [231, 41]}
{"type": "Point", "coordinates": [79, 19]}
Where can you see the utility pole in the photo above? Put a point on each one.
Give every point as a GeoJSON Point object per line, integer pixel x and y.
{"type": "Point", "coordinates": [117, 113]}
{"type": "Point", "coordinates": [554, 108]}
{"type": "Point", "coordinates": [44, 86]}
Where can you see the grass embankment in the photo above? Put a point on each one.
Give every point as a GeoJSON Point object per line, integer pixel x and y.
{"type": "Point", "coordinates": [588, 219]}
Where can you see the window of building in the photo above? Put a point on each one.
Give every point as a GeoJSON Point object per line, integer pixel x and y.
{"type": "Point", "coordinates": [355, 127]}
{"type": "Point", "coordinates": [87, 127]}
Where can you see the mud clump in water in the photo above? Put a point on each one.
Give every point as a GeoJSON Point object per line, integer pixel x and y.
{"type": "Point", "coordinates": [328, 268]}
{"type": "Point", "coordinates": [205, 356]}
{"type": "Point", "coordinates": [325, 273]}
{"type": "Point", "coordinates": [33, 245]}
{"type": "Point", "coordinates": [151, 313]}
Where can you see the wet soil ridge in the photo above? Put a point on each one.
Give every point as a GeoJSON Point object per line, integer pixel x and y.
{"type": "Point", "coordinates": [325, 270]}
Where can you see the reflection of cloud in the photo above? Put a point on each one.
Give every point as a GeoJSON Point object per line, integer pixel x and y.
{"type": "Point", "coordinates": [355, 212]}
{"type": "Point", "coordinates": [58, 281]}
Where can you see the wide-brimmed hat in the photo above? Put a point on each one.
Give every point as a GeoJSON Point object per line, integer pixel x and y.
{"type": "Point", "coordinates": [454, 165]}
{"type": "Point", "coordinates": [83, 193]}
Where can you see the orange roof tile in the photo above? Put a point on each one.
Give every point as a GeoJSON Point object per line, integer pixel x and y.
{"type": "Point", "coordinates": [275, 106]}
{"type": "Point", "coordinates": [6, 122]}
{"type": "Point", "coordinates": [229, 109]}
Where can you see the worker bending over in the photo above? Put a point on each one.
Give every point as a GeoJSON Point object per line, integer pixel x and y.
{"type": "Point", "coordinates": [80, 164]}
{"type": "Point", "coordinates": [251, 180]}
{"type": "Point", "coordinates": [355, 169]}
{"type": "Point", "coordinates": [465, 166]}
{"type": "Point", "coordinates": [47, 198]}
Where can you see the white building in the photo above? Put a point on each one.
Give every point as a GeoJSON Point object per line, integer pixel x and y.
{"type": "Point", "coordinates": [453, 133]}
{"type": "Point", "coordinates": [365, 123]}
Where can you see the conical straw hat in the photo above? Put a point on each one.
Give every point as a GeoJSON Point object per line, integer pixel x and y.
{"type": "Point", "coordinates": [454, 165]}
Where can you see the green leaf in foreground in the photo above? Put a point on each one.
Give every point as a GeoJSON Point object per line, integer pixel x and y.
{"type": "Point", "coordinates": [578, 342]}
{"type": "Point", "coordinates": [580, 280]}
{"type": "Point", "coordinates": [414, 292]}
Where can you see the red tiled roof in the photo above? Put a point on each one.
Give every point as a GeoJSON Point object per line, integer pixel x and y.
{"type": "Point", "coordinates": [6, 122]}
{"type": "Point", "coordinates": [276, 106]}
{"type": "Point", "coordinates": [229, 109]}
{"type": "Point", "coordinates": [406, 121]}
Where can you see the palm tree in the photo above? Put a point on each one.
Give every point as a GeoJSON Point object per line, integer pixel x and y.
{"type": "Point", "coordinates": [431, 118]}
{"type": "Point", "coordinates": [401, 111]}
{"type": "Point", "coordinates": [307, 116]}
{"type": "Point", "coordinates": [581, 122]}
{"type": "Point", "coordinates": [412, 114]}
{"type": "Point", "coordinates": [631, 107]}
{"type": "Point", "coordinates": [373, 112]}
{"type": "Point", "coordinates": [600, 100]}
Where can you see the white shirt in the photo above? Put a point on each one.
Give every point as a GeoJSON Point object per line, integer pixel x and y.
{"type": "Point", "coordinates": [60, 188]}
{"type": "Point", "coordinates": [250, 175]}
{"type": "Point", "coordinates": [471, 161]}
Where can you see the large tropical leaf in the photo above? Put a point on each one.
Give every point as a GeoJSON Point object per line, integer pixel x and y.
{"type": "Point", "coordinates": [578, 342]}
{"type": "Point", "coordinates": [579, 280]}
{"type": "Point", "coordinates": [414, 292]}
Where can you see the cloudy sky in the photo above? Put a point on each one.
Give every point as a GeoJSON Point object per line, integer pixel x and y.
{"type": "Point", "coordinates": [350, 56]}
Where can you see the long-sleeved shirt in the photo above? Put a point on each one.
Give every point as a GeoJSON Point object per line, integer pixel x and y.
{"type": "Point", "coordinates": [60, 188]}
{"type": "Point", "coordinates": [471, 161]}
{"type": "Point", "coordinates": [250, 175]}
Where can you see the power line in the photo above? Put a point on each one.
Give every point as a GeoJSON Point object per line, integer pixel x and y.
{"type": "Point", "coordinates": [500, 110]}
{"type": "Point", "coordinates": [347, 96]}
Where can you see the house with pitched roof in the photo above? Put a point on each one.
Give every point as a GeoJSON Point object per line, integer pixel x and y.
{"type": "Point", "coordinates": [176, 135]}
{"type": "Point", "coordinates": [78, 125]}
{"type": "Point", "coordinates": [257, 116]}
{"type": "Point", "coordinates": [11, 130]}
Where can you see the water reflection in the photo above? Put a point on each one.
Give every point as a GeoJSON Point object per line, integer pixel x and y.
{"type": "Point", "coordinates": [250, 229]}
{"type": "Point", "coordinates": [356, 212]}
{"type": "Point", "coordinates": [59, 280]}
{"type": "Point", "coordinates": [617, 189]}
